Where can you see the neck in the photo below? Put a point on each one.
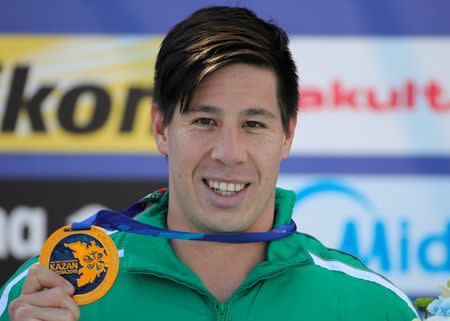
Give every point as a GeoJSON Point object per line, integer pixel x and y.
{"type": "Point", "coordinates": [222, 267]}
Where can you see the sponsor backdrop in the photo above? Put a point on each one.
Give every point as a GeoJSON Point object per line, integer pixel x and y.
{"type": "Point", "coordinates": [34, 209]}
{"type": "Point", "coordinates": [371, 158]}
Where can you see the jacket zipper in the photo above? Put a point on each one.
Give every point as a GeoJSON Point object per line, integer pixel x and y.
{"type": "Point", "coordinates": [221, 311]}
{"type": "Point", "coordinates": [219, 308]}
{"type": "Point", "coordinates": [170, 277]}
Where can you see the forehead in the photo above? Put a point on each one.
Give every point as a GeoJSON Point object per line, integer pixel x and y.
{"type": "Point", "coordinates": [238, 86]}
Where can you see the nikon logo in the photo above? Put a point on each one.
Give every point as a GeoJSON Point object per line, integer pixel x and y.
{"type": "Point", "coordinates": [20, 102]}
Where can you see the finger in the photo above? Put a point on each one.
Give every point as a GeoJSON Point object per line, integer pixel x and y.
{"type": "Point", "coordinates": [28, 312]}
{"type": "Point", "coordinates": [18, 311]}
{"type": "Point", "coordinates": [55, 297]}
{"type": "Point", "coordinates": [39, 278]}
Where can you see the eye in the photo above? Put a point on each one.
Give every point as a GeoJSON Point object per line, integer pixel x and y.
{"type": "Point", "coordinates": [253, 124]}
{"type": "Point", "coordinates": [204, 121]}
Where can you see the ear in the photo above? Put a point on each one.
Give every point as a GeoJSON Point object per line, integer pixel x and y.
{"type": "Point", "coordinates": [289, 137]}
{"type": "Point", "coordinates": [159, 130]}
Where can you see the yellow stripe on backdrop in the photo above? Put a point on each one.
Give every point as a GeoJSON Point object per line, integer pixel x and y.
{"type": "Point", "coordinates": [73, 93]}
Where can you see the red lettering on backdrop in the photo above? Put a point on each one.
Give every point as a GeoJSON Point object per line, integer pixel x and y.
{"type": "Point", "coordinates": [311, 99]}
{"type": "Point", "coordinates": [410, 90]}
{"type": "Point", "coordinates": [338, 95]}
{"type": "Point", "coordinates": [433, 93]}
{"type": "Point", "coordinates": [374, 103]}
{"type": "Point", "coordinates": [341, 96]}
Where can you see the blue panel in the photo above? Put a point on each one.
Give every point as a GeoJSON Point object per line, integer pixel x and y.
{"type": "Point", "coordinates": [145, 167]}
{"type": "Point", "coordinates": [319, 17]}
{"type": "Point", "coordinates": [368, 165]}
{"type": "Point", "coordinates": [77, 166]}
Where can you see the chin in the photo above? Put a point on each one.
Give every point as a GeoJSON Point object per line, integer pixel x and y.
{"type": "Point", "coordinates": [229, 227]}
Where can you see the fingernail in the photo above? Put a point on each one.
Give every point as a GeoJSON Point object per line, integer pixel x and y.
{"type": "Point", "coordinates": [69, 287]}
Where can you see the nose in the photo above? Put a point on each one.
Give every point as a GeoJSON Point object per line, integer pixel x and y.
{"type": "Point", "coordinates": [229, 147]}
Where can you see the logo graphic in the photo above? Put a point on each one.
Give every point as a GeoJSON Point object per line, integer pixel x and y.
{"type": "Point", "coordinates": [387, 242]}
{"type": "Point", "coordinates": [88, 259]}
{"type": "Point", "coordinates": [64, 267]}
{"type": "Point", "coordinates": [92, 259]}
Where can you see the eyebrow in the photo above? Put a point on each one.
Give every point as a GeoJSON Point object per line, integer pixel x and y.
{"type": "Point", "coordinates": [204, 109]}
{"type": "Point", "coordinates": [252, 111]}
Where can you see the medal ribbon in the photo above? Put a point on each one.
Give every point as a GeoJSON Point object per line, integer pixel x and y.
{"type": "Point", "coordinates": [124, 222]}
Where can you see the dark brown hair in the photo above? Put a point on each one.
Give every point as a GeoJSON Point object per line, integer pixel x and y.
{"type": "Point", "coordinates": [214, 37]}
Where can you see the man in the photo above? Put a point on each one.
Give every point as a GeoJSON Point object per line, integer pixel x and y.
{"type": "Point", "coordinates": [224, 114]}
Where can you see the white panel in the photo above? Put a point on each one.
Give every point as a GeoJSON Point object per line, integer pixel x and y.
{"type": "Point", "coordinates": [401, 225]}
{"type": "Point", "coordinates": [417, 69]}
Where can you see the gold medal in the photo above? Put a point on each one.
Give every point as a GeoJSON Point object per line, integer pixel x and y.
{"type": "Point", "coordinates": [88, 259]}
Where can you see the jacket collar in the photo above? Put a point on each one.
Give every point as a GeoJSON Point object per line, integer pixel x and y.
{"type": "Point", "coordinates": [154, 255]}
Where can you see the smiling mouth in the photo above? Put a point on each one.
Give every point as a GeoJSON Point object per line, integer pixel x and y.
{"type": "Point", "coordinates": [223, 188]}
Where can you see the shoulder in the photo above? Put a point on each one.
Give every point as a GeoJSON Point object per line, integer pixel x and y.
{"type": "Point", "coordinates": [12, 288]}
{"type": "Point", "coordinates": [354, 278]}
{"type": "Point", "coordinates": [319, 253]}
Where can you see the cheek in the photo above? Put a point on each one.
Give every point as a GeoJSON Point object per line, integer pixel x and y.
{"type": "Point", "coordinates": [267, 148]}
{"type": "Point", "coordinates": [178, 142]}
{"type": "Point", "coordinates": [269, 155]}
{"type": "Point", "coordinates": [185, 150]}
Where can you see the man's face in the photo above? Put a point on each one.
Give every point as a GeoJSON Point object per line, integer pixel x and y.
{"type": "Point", "coordinates": [224, 153]}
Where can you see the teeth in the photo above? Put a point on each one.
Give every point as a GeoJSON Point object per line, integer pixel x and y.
{"type": "Point", "coordinates": [224, 188]}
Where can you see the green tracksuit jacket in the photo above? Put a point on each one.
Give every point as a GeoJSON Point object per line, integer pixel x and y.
{"type": "Point", "coordinates": [300, 280]}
